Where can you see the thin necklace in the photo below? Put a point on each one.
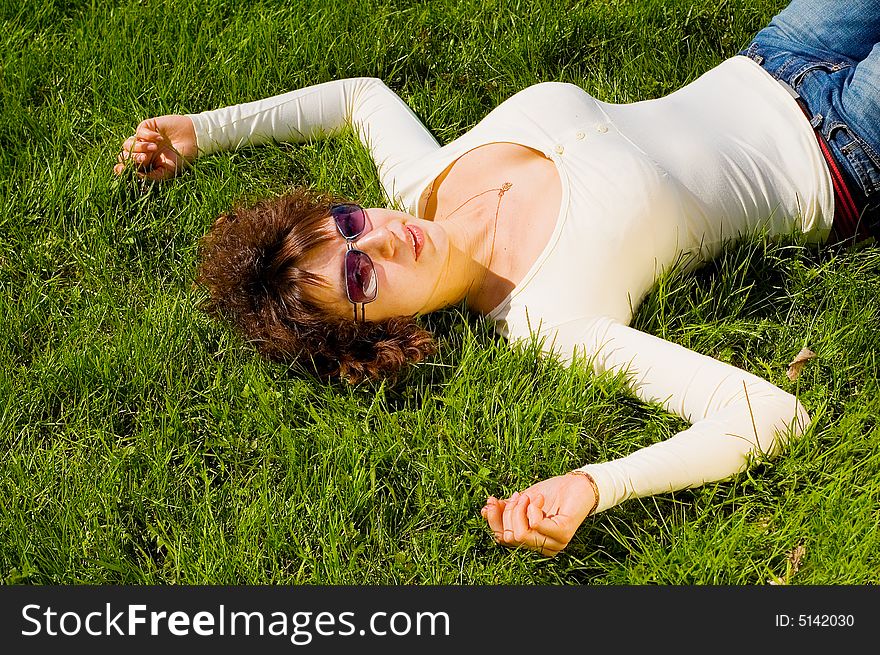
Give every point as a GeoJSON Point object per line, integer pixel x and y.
{"type": "Point", "coordinates": [504, 188]}
{"type": "Point", "coordinates": [501, 191]}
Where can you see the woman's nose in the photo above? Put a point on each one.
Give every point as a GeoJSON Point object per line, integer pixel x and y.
{"type": "Point", "coordinates": [379, 241]}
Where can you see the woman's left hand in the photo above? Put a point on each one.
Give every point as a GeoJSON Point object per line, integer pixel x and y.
{"type": "Point", "coordinates": [543, 517]}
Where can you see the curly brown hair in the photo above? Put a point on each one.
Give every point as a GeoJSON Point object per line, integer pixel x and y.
{"type": "Point", "coordinates": [251, 263]}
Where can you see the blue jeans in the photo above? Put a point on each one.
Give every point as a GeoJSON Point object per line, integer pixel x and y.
{"type": "Point", "coordinates": [828, 51]}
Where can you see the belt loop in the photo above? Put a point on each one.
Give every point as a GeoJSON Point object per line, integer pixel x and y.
{"type": "Point", "coordinates": [752, 53]}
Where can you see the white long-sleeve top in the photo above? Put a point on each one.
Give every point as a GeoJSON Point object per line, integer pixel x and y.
{"type": "Point", "coordinates": [643, 185]}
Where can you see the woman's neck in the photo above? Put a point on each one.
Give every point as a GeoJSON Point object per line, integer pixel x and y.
{"type": "Point", "coordinates": [526, 217]}
{"type": "Point", "coordinates": [472, 228]}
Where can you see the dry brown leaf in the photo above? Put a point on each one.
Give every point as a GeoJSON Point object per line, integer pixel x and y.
{"type": "Point", "coordinates": [797, 365]}
{"type": "Point", "coordinates": [795, 557]}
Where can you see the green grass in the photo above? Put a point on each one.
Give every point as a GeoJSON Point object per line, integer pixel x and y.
{"type": "Point", "coordinates": [144, 443]}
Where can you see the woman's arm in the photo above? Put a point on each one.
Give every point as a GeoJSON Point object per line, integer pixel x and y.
{"type": "Point", "coordinates": [384, 123]}
{"type": "Point", "coordinates": [735, 416]}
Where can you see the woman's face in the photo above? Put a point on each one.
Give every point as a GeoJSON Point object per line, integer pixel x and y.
{"type": "Point", "coordinates": [412, 261]}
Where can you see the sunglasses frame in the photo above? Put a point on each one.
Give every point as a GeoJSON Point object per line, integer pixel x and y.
{"type": "Point", "coordinates": [349, 242]}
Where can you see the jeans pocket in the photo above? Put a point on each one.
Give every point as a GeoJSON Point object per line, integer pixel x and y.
{"type": "Point", "coordinates": [862, 158]}
{"type": "Point", "coordinates": [797, 78]}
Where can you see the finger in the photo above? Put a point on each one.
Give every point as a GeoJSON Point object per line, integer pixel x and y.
{"type": "Point", "coordinates": [492, 500]}
{"type": "Point", "coordinates": [535, 513]}
{"type": "Point", "coordinates": [139, 145]}
{"type": "Point", "coordinates": [507, 519]}
{"type": "Point", "coordinates": [138, 161]}
{"type": "Point", "coordinates": [539, 501]}
{"type": "Point", "coordinates": [519, 520]}
{"type": "Point", "coordinates": [493, 517]}
{"type": "Point", "coordinates": [126, 151]}
{"type": "Point", "coordinates": [142, 163]}
{"type": "Point", "coordinates": [545, 545]}
{"type": "Point", "coordinates": [139, 153]}
{"type": "Point", "coordinates": [148, 130]}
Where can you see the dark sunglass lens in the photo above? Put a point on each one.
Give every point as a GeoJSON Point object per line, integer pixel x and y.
{"type": "Point", "coordinates": [360, 276]}
{"type": "Point", "coordinates": [350, 220]}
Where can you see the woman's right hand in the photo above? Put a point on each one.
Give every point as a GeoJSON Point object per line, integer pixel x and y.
{"type": "Point", "coordinates": [160, 148]}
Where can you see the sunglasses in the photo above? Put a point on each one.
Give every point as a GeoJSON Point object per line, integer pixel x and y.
{"type": "Point", "coordinates": [361, 284]}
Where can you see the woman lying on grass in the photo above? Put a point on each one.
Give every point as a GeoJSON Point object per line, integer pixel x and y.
{"type": "Point", "coordinates": [553, 217]}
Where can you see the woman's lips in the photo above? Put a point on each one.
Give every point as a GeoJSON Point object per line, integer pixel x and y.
{"type": "Point", "coordinates": [418, 239]}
